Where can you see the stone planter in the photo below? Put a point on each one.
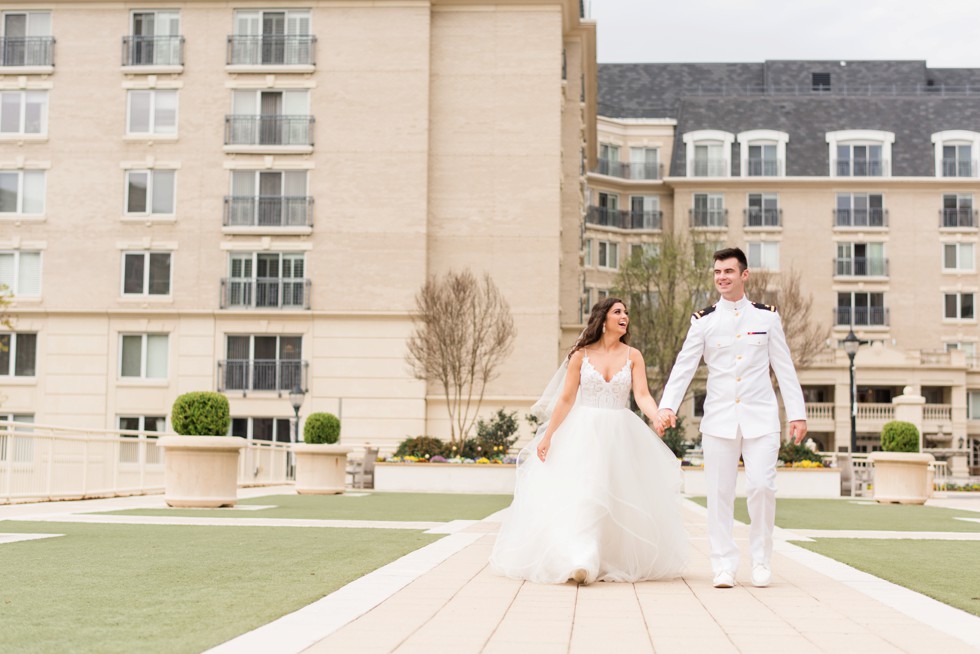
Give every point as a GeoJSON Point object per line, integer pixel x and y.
{"type": "Point", "coordinates": [790, 482]}
{"type": "Point", "coordinates": [497, 478]}
{"type": "Point", "coordinates": [201, 471]}
{"type": "Point", "coordinates": [902, 477]}
{"type": "Point", "coordinates": [321, 469]}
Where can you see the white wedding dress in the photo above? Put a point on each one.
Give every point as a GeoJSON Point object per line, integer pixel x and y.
{"type": "Point", "coordinates": [606, 500]}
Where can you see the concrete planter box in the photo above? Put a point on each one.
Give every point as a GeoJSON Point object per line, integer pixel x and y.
{"type": "Point", "coordinates": [902, 477]}
{"type": "Point", "coordinates": [321, 469]}
{"type": "Point", "coordinates": [790, 482]}
{"type": "Point", "coordinates": [445, 477]}
{"type": "Point", "coordinates": [201, 471]}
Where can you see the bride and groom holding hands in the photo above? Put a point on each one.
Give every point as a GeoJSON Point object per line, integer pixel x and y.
{"type": "Point", "coordinates": [596, 497]}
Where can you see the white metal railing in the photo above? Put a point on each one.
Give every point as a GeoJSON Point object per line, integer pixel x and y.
{"type": "Point", "coordinates": [47, 462]}
{"type": "Point", "coordinates": [940, 475]}
{"type": "Point", "coordinates": [819, 410]}
{"type": "Point", "coordinates": [875, 411]}
{"type": "Point", "coordinates": [937, 412]}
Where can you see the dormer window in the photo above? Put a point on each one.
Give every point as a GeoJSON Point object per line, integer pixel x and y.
{"type": "Point", "coordinates": [860, 153]}
{"type": "Point", "coordinates": [763, 153]}
{"type": "Point", "coordinates": [956, 153]}
{"type": "Point", "coordinates": [708, 153]}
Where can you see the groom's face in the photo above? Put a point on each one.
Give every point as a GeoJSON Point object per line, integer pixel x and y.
{"type": "Point", "coordinates": [730, 279]}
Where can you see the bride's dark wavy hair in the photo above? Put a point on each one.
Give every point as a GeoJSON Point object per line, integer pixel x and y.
{"type": "Point", "coordinates": [593, 329]}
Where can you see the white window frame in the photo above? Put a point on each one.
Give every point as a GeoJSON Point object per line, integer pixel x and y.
{"type": "Point", "coordinates": [21, 173]}
{"type": "Point", "coordinates": [142, 443]}
{"type": "Point", "coordinates": [959, 306]}
{"type": "Point", "coordinates": [702, 137]}
{"type": "Point", "coordinates": [144, 351]}
{"type": "Point", "coordinates": [146, 254]}
{"type": "Point", "coordinates": [20, 450]}
{"type": "Point", "coordinates": [611, 252]}
{"type": "Point", "coordinates": [587, 253]}
{"type": "Point", "coordinates": [973, 404]}
{"type": "Point", "coordinates": [22, 114]}
{"type": "Point", "coordinates": [153, 117]}
{"type": "Point", "coordinates": [250, 428]}
{"type": "Point", "coordinates": [860, 137]}
{"type": "Point", "coordinates": [767, 253]}
{"type": "Point", "coordinates": [15, 288]}
{"type": "Point", "coordinates": [959, 267]}
{"type": "Point", "coordinates": [11, 371]}
{"type": "Point", "coordinates": [640, 156]}
{"type": "Point", "coordinates": [150, 183]}
{"type": "Point", "coordinates": [762, 137]}
{"type": "Point", "coordinates": [956, 137]}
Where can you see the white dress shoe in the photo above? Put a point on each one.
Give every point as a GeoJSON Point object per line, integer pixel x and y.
{"type": "Point", "coordinates": [724, 580]}
{"type": "Point", "coordinates": [761, 576]}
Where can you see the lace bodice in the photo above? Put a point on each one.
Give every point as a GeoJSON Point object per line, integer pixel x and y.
{"type": "Point", "coordinates": [594, 391]}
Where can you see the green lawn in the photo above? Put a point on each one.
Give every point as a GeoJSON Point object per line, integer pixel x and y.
{"type": "Point", "coordinates": [413, 507]}
{"type": "Point", "coordinates": [861, 515]}
{"type": "Point", "coordinates": [946, 570]}
{"type": "Point", "coordinates": [135, 588]}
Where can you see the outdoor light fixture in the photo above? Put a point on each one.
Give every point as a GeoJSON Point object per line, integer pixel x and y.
{"type": "Point", "coordinates": [851, 345]}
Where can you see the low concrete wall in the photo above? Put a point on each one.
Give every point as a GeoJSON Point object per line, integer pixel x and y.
{"type": "Point", "coordinates": [790, 482]}
{"type": "Point", "coordinates": [445, 477]}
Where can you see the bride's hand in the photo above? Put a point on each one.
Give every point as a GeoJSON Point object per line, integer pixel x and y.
{"type": "Point", "coordinates": [658, 426]}
{"type": "Point", "coordinates": [543, 448]}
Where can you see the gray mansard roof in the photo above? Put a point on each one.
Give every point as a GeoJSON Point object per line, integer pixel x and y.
{"type": "Point", "coordinates": [904, 97]}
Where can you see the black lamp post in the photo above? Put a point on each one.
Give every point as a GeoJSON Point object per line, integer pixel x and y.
{"type": "Point", "coordinates": [851, 345]}
{"type": "Point", "coordinates": [296, 397]}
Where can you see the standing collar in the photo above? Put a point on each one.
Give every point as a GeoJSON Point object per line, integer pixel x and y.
{"type": "Point", "coordinates": [733, 306]}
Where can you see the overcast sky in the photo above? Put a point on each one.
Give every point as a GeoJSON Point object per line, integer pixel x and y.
{"type": "Point", "coordinates": [943, 32]}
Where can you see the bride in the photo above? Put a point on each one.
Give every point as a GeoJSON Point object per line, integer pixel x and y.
{"type": "Point", "coordinates": [600, 500]}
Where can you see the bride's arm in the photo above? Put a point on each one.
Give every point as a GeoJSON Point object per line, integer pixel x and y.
{"type": "Point", "coordinates": [564, 404]}
{"type": "Point", "coordinates": [641, 392]}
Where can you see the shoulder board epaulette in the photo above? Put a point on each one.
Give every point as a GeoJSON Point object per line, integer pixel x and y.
{"type": "Point", "coordinates": [764, 307]}
{"type": "Point", "coordinates": [701, 313]}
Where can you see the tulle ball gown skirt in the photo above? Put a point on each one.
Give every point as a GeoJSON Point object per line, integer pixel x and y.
{"type": "Point", "coordinates": [605, 504]}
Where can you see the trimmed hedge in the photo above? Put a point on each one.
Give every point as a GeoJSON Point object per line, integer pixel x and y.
{"type": "Point", "coordinates": [790, 452]}
{"type": "Point", "coordinates": [321, 428]}
{"type": "Point", "coordinates": [899, 436]}
{"type": "Point", "coordinates": [201, 413]}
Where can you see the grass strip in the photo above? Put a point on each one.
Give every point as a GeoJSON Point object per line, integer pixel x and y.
{"type": "Point", "coordinates": [136, 588]}
{"type": "Point", "coordinates": [414, 507]}
{"type": "Point", "coordinates": [944, 570]}
{"type": "Point", "coordinates": [844, 514]}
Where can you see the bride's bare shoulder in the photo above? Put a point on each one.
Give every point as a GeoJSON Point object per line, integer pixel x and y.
{"type": "Point", "coordinates": [636, 356]}
{"type": "Point", "coordinates": [576, 358]}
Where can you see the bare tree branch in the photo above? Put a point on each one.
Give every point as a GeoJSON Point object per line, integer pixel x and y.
{"type": "Point", "coordinates": [463, 332]}
{"type": "Point", "coordinates": [805, 335]}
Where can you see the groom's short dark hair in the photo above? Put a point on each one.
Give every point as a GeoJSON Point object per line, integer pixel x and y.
{"type": "Point", "coordinates": [733, 253]}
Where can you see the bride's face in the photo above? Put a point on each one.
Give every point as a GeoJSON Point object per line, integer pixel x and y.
{"type": "Point", "coordinates": [617, 319]}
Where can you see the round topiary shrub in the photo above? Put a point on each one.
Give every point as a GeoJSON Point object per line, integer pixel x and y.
{"type": "Point", "coordinates": [899, 436]}
{"type": "Point", "coordinates": [201, 413]}
{"type": "Point", "coordinates": [321, 428]}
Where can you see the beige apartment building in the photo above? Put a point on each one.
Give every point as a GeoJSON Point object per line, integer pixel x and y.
{"type": "Point", "coordinates": [862, 176]}
{"type": "Point", "coordinates": [245, 197]}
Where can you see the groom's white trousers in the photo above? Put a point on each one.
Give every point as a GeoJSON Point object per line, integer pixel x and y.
{"type": "Point", "coordinates": [721, 470]}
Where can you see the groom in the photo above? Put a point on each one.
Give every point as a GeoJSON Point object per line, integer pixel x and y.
{"type": "Point", "coordinates": [739, 341]}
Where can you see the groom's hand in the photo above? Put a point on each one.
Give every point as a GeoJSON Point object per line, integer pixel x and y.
{"type": "Point", "coordinates": [668, 417]}
{"type": "Point", "coordinates": [797, 429]}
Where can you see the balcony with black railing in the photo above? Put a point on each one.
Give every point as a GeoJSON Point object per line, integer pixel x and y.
{"type": "Point", "coordinates": [861, 267]}
{"type": "Point", "coordinates": [710, 168]}
{"type": "Point", "coordinates": [874, 217]}
{"type": "Point", "coordinates": [709, 218]}
{"type": "Point", "coordinates": [271, 50]}
{"type": "Point", "coordinates": [262, 375]}
{"type": "Point", "coordinates": [959, 168]}
{"type": "Point", "coordinates": [630, 170]}
{"type": "Point", "coordinates": [633, 220]}
{"type": "Point", "coordinates": [863, 316]}
{"type": "Point", "coordinates": [268, 211]}
{"type": "Point", "coordinates": [153, 51]}
{"type": "Point", "coordinates": [759, 217]}
{"type": "Point", "coordinates": [959, 218]}
{"type": "Point", "coordinates": [26, 51]}
{"type": "Point", "coordinates": [270, 130]}
{"type": "Point", "coordinates": [861, 168]}
{"type": "Point", "coordinates": [764, 168]}
{"type": "Point", "coordinates": [265, 293]}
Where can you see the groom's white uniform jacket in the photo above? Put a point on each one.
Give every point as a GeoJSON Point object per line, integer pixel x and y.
{"type": "Point", "coordinates": [739, 342]}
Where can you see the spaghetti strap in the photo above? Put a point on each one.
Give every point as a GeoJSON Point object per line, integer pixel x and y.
{"type": "Point", "coordinates": [628, 350]}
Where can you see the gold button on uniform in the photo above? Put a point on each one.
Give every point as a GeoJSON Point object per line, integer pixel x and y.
{"type": "Point", "coordinates": [737, 400]}
{"type": "Point", "coordinates": [738, 379]}
{"type": "Point", "coordinates": [738, 336]}
{"type": "Point", "coordinates": [739, 357]}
